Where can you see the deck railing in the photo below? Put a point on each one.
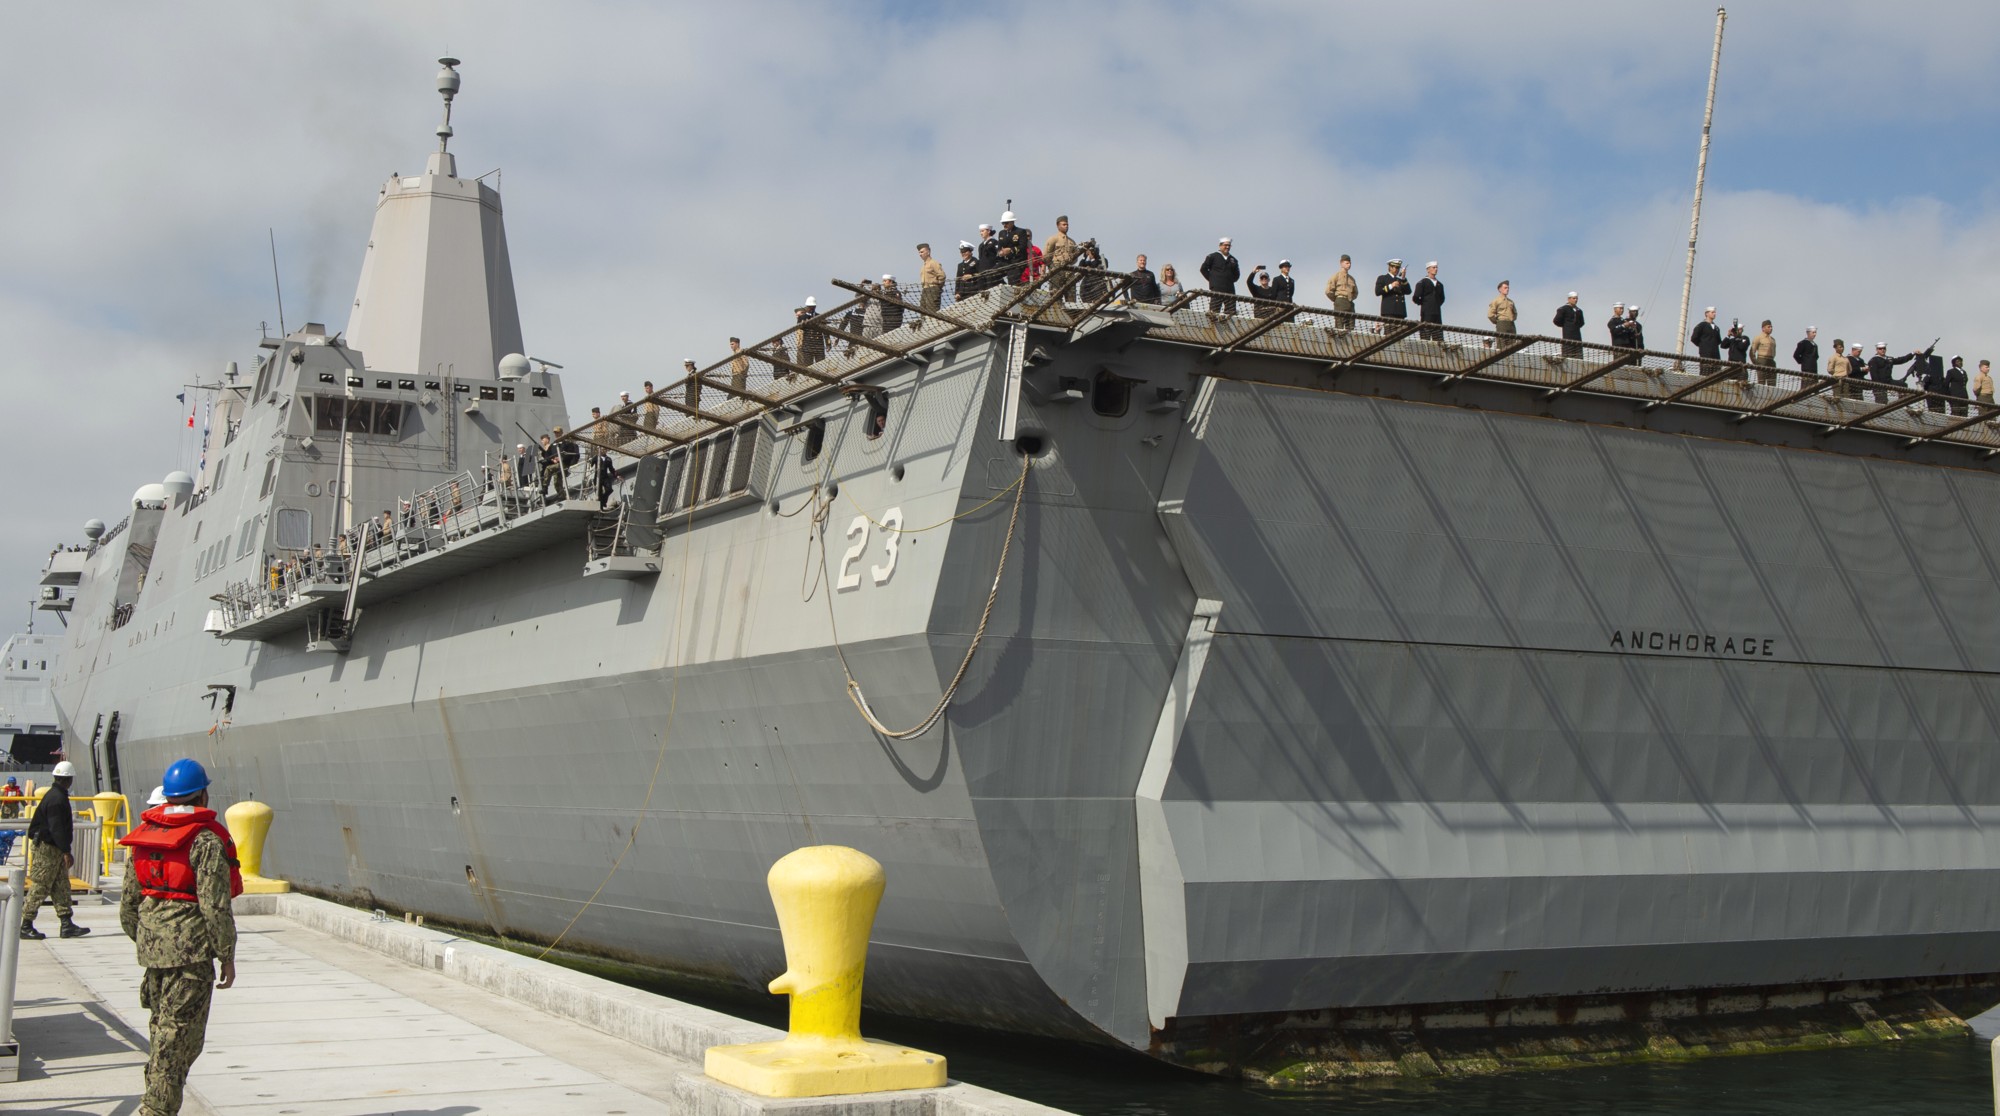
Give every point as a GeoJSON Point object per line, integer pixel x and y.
{"type": "Point", "coordinates": [465, 504]}
{"type": "Point", "coordinates": [871, 330]}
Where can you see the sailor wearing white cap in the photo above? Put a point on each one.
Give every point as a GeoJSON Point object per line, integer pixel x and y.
{"type": "Point", "coordinates": [1620, 327]}
{"type": "Point", "coordinates": [989, 258]}
{"type": "Point", "coordinates": [890, 304]}
{"type": "Point", "coordinates": [1882, 368]}
{"type": "Point", "coordinates": [1707, 336]}
{"type": "Point", "coordinates": [1633, 327]}
{"type": "Point", "coordinates": [1222, 270]}
{"type": "Point", "coordinates": [1283, 286]}
{"type": "Point", "coordinates": [1392, 287]}
{"type": "Point", "coordinates": [966, 279]}
{"type": "Point", "coordinates": [1569, 318]}
{"type": "Point", "coordinates": [1429, 297]}
{"type": "Point", "coordinates": [1806, 355]}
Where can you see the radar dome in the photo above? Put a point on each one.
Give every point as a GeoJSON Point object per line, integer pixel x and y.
{"type": "Point", "coordinates": [178, 483]}
{"type": "Point", "coordinates": [150, 494]}
{"type": "Point", "coordinates": [514, 366]}
{"type": "Point", "coordinates": [93, 529]}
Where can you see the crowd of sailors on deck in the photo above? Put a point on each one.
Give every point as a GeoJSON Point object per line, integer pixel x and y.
{"type": "Point", "coordinates": [1010, 256]}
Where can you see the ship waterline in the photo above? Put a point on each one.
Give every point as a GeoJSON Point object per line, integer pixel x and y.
{"type": "Point", "coordinates": [1336, 678]}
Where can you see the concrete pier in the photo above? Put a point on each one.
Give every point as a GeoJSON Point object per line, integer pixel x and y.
{"type": "Point", "coordinates": [337, 1013]}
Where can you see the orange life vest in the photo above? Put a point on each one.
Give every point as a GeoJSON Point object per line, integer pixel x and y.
{"type": "Point", "coordinates": [160, 846]}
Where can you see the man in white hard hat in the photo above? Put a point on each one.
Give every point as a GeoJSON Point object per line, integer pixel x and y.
{"type": "Point", "coordinates": [1013, 244]}
{"type": "Point", "coordinates": [50, 833]}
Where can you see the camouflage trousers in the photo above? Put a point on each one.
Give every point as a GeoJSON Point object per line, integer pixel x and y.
{"type": "Point", "coordinates": [48, 882]}
{"type": "Point", "coordinates": [178, 999]}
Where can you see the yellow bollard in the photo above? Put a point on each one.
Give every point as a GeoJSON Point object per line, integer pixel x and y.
{"type": "Point", "coordinates": [826, 897]}
{"type": "Point", "coordinates": [248, 823]}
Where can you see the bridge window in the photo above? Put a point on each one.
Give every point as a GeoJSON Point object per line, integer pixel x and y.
{"type": "Point", "coordinates": [815, 439]}
{"type": "Point", "coordinates": [365, 418]}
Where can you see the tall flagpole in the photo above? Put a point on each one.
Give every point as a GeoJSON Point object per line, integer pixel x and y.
{"type": "Point", "coordinates": [1700, 176]}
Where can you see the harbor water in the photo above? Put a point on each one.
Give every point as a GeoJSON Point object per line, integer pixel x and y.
{"type": "Point", "coordinates": [1914, 1078]}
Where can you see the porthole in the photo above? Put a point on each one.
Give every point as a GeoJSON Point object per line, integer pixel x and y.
{"type": "Point", "coordinates": [1111, 394]}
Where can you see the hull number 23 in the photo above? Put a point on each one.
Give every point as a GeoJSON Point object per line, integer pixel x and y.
{"type": "Point", "coordinates": [857, 532]}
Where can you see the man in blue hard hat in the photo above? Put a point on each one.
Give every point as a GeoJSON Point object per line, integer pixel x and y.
{"type": "Point", "coordinates": [179, 879]}
{"type": "Point", "coordinates": [50, 833]}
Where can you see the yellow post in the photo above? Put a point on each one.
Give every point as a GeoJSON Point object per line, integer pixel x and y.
{"type": "Point", "coordinates": [114, 820]}
{"type": "Point", "coordinates": [248, 822]}
{"type": "Point", "coordinates": [825, 897]}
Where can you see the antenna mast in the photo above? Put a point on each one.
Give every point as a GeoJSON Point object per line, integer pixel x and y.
{"type": "Point", "coordinates": [273, 234]}
{"type": "Point", "coordinates": [1700, 176]}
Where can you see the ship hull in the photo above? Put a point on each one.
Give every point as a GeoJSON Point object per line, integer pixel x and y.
{"type": "Point", "coordinates": [1296, 702]}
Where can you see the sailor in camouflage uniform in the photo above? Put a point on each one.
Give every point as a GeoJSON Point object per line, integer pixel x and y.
{"type": "Point", "coordinates": [179, 880]}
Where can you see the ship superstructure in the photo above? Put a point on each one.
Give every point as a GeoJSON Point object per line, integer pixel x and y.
{"type": "Point", "coordinates": [1335, 683]}
{"type": "Point", "coordinates": [27, 705]}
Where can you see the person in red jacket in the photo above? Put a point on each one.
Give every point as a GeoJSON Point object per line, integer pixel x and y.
{"type": "Point", "coordinates": [179, 879]}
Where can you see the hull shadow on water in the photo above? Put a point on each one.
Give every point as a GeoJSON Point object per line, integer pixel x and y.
{"type": "Point", "coordinates": [1914, 1078]}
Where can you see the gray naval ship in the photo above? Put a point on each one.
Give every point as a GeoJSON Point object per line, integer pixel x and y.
{"type": "Point", "coordinates": [1259, 688]}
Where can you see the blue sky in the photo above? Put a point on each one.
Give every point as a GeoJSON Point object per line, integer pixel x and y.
{"type": "Point", "coordinates": [674, 173]}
